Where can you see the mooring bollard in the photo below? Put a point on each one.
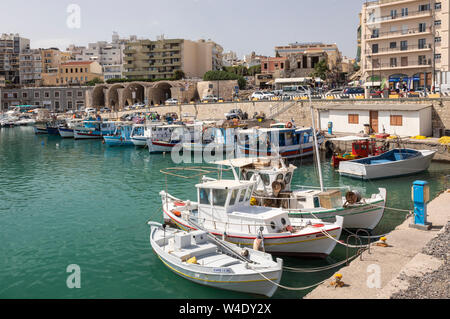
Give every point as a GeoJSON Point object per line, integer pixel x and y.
{"type": "Point", "coordinates": [420, 197]}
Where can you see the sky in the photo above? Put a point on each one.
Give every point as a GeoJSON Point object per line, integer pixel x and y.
{"type": "Point", "coordinates": [241, 26]}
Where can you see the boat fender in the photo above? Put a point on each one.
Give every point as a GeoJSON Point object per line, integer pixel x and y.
{"type": "Point", "coordinates": [177, 213]}
{"type": "Point", "coordinates": [289, 125]}
{"type": "Point", "coordinates": [192, 261]}
{"type": "Point", "coordinates": [257, 244]}
{"type": "Point", "coordinates": [290, 228]}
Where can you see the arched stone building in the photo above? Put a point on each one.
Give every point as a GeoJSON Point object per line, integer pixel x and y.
{"type": "Point", "coordinates": [119, 95]}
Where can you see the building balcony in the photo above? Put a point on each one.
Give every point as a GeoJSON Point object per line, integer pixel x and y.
{"type": "Point", "coordinates": [408, 49]}
{"type": "Point", "coordinates": [398, 66]}
{"type": "Point", "coordinates": [399, 17]}
{"type": "Point", "coordinates": [386, 3]}
{"type": "Point", "coordinates": [135, 73]}
{"type": "Point", "coordinates": [129, 51]}
{"type": "Point", "coordinates": [398, 34]}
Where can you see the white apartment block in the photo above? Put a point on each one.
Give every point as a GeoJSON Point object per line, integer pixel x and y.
{"type": "Point", "coordinates": [405, 41]}
{"type": "Point", "coordinates": [30, 67]}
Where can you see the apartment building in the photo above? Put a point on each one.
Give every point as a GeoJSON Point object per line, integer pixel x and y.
{"type": "Point", "coordinates": [108, 54]}
{"type": "Point", "coordinates": [74, 73]}
{"type": "Point", "coordinates": [11, 45]}
{"type": "Point", "coordinates": [30, 67]}
{"type": "Point", "coordinates": [404, 41]}
{"type": "Point", "coordinates": [160, 59]}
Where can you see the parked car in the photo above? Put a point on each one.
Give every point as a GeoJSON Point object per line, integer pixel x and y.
{"type": "Point", "coordinates": [105, 109]}
{"type": "Point", "coordinates": [353, 90]}
{"type": "Point", "coordinates": [138, 105]}
{"type": "Point", "coordinates": [210, 98]}
{"type": "Point", "coordinates": [90, 110]}
{"type": "Point", "coordinates": [268, 95]}
{"type": "Point", "coordinates": [171, 101]}
{"type": "Point", "coordinates": [235, 113]}
{"type": "Point", "coordinates": [257, 95]}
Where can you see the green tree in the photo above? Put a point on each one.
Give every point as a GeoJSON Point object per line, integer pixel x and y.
{"type": "Point", "coordinates": [321, 70]}
{"type": "Point", "coordinates": [94, 81]}
{"type": "Point", "coordinates": [179, 75]}
{"type": "Point", "coordinates": [253, 70]}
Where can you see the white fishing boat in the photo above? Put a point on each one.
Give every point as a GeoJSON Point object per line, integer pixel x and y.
{"type": "Point", "coordinates": [141, 133]}
{"type": "Point", "coordinates": [93, 130]}
{"type": "Point", "coordinates": [214, 140]}
{"type": "Point", "coordinates": [208, 261]}
{"type": "Point", "coordinates": [223, 208]}
{"type": "Point", "coordinates": [67, 130]}
{"type": "Point", "coordinates": [274, 189]}
{"type": "Point", "coordinates": [396, 162]}
{"type": "Point", "coordinates": [163, 138]}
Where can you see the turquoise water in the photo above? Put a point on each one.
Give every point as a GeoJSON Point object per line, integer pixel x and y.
{"type": "Point", "coordinates": [66, 202]}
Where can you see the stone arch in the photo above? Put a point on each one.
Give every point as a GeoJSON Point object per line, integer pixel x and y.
{"type": "Point", "coordinates": [113, 95]}
{"type": "Point", "coordinates": [134, 93]}
{"type": "Point", "coordinates": [160, 92]}
{"type": "Point", "coordinates": [99, 96]}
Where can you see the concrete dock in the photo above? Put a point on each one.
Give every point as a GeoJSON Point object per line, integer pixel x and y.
{"type": "Point", "coordinates": [384, 271]}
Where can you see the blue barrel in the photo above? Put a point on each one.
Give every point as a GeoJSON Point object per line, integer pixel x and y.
{"type": "Point", "coordinates": [330, 128]}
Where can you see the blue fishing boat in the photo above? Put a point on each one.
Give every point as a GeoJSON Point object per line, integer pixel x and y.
{"type": "Point", "coordinates": [92, 129]}
{"type": "Point", "coordinates": [397, 162]}
{"type": "Point", "coordinates": [280, 139]}
{"type": "Point", "coordinates": [121, 136]}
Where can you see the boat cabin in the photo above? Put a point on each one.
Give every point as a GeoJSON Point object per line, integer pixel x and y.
{"type": "Point", "coordinates": [225, 204]}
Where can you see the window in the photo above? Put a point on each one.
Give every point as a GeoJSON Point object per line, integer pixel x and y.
{"type": "Point", "coordinates": [396, 120]}
{"type": "Point", "coordinates": [36, 95]}
{"type": "Point", "coordinates": [299, 65]}
{"type": "Point", "coordinates": [393, 14]}
{"type": "Point", "coordinates": [393, 45]}
{"type": "Point", "coordinates": [204, 196]}
{"type": "Point", "coordinates": [393, 62]}
{"type": "Point", "coordinates": [437, 56]}
{"type": "Point", "coordinates": [422, 60]}
{"type": "Point", "coordinates": [374, 48]}
{"type": "Point", "coordinates": [47, 94]}
{"type": "Point", "coordinates": [24, 95]}
{"type": "Point", "coordinates": [265, 178]}
{"type": "Point", "coordinates": [353, 119]}
{"type": "Point", "coordinates": [69, 94]}
{"type": "Point", "coordinates": [80, 93]}
{"type": "Point", "coordinates": [69, 105]}
{"type": "Point", "coordinates": [57, 94]}
{"type": "Point", "coordinates": [376, 63]}
{"type": "Point", "coordinates": [56, 104]}
{"type": "Point", "coordinates": [265, 66]}
{"type": "Point", "coordinates": [438, 23]}
{"type": "Point", "coordinates": [424, 7]}
{"type": "Point", "coordinates": [219, 197]}
{"type": "Point", "coordinates": [438, 5]}
{"type": "Point", "coordinates": [282, 65]}
{"type": "Point", "coordinates": [403, 45]}
{"type": "Point", "coordinates": [234, 194]}
{"type": "Point", "coordinates": [422, 27]}
{"type": "Point", "coordinates": [404, 12]}
{"type": "Point", "coordinates": [437, 39]}
{"type": "Point", "coordinates": [422, 43]}
{"type": "Point", "coordinates": [404, 61]}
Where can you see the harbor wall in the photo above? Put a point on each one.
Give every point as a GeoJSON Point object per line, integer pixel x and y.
{"type": "Point", "coordinates": [298, 111]}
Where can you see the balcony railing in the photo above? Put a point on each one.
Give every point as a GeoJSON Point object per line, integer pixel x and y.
{"type": "Point", "coordinates": [391, 17]}
{"type": "Point", "coordinates": [401, 49]}
{"type": "Point", "coordinates": [389, 34]}
{"type": "Point", "coordinates": [408, 64]}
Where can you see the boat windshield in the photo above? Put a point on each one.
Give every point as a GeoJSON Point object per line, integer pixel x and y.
{"type": "Point", "coordinates": [220, 197]}
{"type": "Point", "coordinates": [204, 196]}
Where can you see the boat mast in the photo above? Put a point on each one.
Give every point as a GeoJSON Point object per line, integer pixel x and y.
{"type": "Point", "coordinates": [316, 146]}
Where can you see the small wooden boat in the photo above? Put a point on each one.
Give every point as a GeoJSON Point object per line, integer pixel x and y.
{"type": "Point", "coordinates": [396, 162]}
{"type": "Point", "coordinates": [362, 147]}
{"type": "Point", "coordinates": [121, 136]}
{"type": "Point", "coordinates": [206, 260]}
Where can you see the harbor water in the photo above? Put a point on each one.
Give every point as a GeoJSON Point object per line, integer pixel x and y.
{"type": "Point", "coordinates": [66, 202]}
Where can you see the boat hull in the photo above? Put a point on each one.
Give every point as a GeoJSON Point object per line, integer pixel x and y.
{"type": "Point", "coordinates": [388, 169]}
{"type": "Point", "coordinates": [66, 132]}
{"type": "Point", "coordinates": [160, 147]}
{"type": "Point", "coordinates": [117, 141]}
{"type": "Point", "coordinates": [315, 244]}
{"type": "Point", "coordinates": [139, 141]}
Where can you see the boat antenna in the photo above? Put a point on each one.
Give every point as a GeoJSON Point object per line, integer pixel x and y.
{"type": "Point", "coordinates": [316, 146]}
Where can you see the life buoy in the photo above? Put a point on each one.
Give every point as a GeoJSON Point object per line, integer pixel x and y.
{"type": "Point", "coordinates": [179, 204]}
{"type": "Point", "coordinates": [289, 125]}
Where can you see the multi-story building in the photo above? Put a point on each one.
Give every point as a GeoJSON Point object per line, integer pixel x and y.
{"type": "Point", "coordinates": [308, 54]}
{"type": "Point", "coordinates": [11, 45]}
{"type": "Point", "coordinates": [146, 59]}
{"type": "Point", "coordinates": [56, 99]}
{"type": "Point", "coordinates": [276, 66]}
{"type": "Point", "coordinates": [52, 58]}
{"type": "Point", "coordinates": [30, 67]}
{"type": "Point", "coordinates": [108, 54]}
{"type": "Point", "coordinates": [404, 41]}
{"type": "Point", "coordinates": [73, 73]}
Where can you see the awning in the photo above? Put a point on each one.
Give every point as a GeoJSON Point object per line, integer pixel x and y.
{"type": "Point", "coordinates": [349, 139]}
